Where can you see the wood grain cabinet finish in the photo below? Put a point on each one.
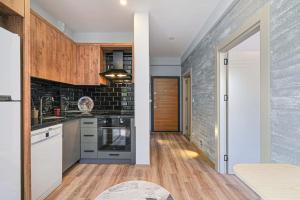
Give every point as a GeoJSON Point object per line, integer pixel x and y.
{"type": "Point", "coordinates": [56, 57]}
{"type": "Point", "coordinates": [15, 5]}
{"type": "Point", "coordinates": [53, 55]}
{"type": "Point", "coordinates": [88, 64]}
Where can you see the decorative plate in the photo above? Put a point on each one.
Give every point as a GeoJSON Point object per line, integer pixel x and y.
{"type": "Point", "coordinates": [85, 104]}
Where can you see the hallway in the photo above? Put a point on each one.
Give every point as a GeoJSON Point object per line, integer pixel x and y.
{"type": "Point", "coordinates": [176, 165]}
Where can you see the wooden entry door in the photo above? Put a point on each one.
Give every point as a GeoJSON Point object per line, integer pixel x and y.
{"type": "Point", "coordinates": [165, 105]}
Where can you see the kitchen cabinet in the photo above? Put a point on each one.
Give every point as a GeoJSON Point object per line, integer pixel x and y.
{"type": "Point", "coordinates": [89, 138]}
{"type": "Point", "coordinates": [71, 143]}
{"type": "Point", "coordinates": [89, 64]}
{"type": "Point", "coordinates": [56, 57]}
{"type": "Point", "coordinates": [52, 53]}
{"type": "Point", "coordinates": [15, 5]}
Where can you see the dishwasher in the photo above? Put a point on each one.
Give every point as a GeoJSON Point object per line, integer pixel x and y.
{"type": "Point", "coordinates": [46, 161]}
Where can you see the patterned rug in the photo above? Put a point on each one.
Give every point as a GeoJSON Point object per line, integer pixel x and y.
{"type": "Point", "coordinates": [135, 190]}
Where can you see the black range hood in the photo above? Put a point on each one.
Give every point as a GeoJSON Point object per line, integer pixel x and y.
{"type": "Point", "coordinates": [116, 72]}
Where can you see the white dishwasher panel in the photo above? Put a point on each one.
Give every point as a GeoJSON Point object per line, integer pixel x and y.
{"type": "Point", "coordinates": [46, 161]}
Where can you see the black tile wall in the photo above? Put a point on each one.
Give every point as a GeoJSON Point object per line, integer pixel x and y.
{"type": "Point", "coordinates": [116, 97]}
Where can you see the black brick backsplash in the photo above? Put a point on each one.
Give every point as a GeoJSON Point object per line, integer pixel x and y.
{"type": "Point", "coordinates": [116, 97]}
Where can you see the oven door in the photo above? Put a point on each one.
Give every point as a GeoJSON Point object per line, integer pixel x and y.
{"type": "Point", "coordinates": [114, 139]}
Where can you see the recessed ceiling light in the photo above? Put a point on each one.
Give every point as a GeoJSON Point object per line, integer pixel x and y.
{"type": "Point", "coordinates": [123, 2]}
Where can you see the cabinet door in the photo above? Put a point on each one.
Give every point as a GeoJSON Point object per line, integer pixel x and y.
{"type": "Point", "coordinates": [64, 58]}
{"type": "Point", "coordinates": [73, 65]}
{"type": "Point", "coordinates": [88, 64]}
{"type": "Point", "coordinates": [50, 58]}
{"type": "Point", "coordinates": [53, 55]}
{"type": "Point", "coordinates": [36, 44]}
{"type": "Point", "coordinates": [43, 50]}
{"type": "Point", "coordinates": [71, 143]}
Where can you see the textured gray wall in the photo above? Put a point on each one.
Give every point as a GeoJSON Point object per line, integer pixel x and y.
{"type": "Point", "coordinates": [285, 77]}
{"type": "Point", "coordinates": [285, 81]}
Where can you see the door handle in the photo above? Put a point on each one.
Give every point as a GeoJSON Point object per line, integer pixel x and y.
{"type": "Point", "coordinates": [88, 123]}
{"type": "Point", "coordinates": [88, 135]}
{"type": "Point", "coordinates": [89, 151]}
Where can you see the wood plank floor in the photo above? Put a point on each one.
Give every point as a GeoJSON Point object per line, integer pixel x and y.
{"type": "Point", "coordinates": [175, 164]}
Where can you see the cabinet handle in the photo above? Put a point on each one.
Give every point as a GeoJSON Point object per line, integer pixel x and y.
{"type": "Point", "coordinates": [88, 135]}
{"type": "Point", "coordinates": [88, 122]}
{"type": "Point", "coordinates": [114, 154]}
{"type": "Point", "coordinates": [89, 151]}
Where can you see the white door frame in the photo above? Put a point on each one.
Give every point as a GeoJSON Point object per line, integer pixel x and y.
{"type": "Point", "coordinates": [259, 22]}
{"type": "Point", "coordinates": [189, 74]}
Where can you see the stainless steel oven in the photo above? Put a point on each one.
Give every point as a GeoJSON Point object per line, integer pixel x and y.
{"type": "Point", "coordinates": [114, 134]}
{"type": "Point", "coordinates": [114, 139]}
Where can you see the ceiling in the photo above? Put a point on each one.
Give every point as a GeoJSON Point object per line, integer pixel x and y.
{"type": "Point", "coordinates": [180, 20]}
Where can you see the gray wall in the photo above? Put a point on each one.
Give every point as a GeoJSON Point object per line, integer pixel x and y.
{"type": "Point", "coordinates": [285, 77]}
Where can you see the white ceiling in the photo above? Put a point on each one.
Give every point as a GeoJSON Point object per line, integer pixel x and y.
{"type": "Point", "coordinates": [181, 19]}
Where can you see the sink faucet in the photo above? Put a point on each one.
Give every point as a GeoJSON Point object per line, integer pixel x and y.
{"type": "Point", "coordinates": [65, 103]}
{"type": "Point", "coordinates": [41, 105]}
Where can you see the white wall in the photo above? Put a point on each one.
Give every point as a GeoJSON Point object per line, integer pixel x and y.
{"type": "Point", "coordinates": [52, 20]}
{"type": "Point", "coordinates": [165, 71]}
{"type": "Point", "coordinates": [243, 108]}
{"type": "Point", "coordinates": [87, 37]}
{"type": "Point", "coordinates": [142, 87]}
{"type": "Point", "coordinates": [165, 66]}
{"type": "Point", "coordinates": [103, 37]}
{"type": "Point", "coordinates": [244, 103]}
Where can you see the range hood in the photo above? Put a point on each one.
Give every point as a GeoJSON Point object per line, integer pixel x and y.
{"type": "Point", "coordinates": [116, 72]}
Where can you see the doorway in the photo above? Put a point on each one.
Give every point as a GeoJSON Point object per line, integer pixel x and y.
{"type": "Point", "coordinates": [242, 65]}
{"type": "Point", "coordinates": [187, 105]}
{"type": "Point", "coordinates": [240, 137]}
{"type": "Point", "coordinates": [165, 104]}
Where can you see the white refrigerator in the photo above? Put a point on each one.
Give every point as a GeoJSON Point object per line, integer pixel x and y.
{"type": "Point", "coordinates": [10, 116]}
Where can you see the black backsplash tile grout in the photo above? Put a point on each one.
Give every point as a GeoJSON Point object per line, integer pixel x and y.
{"type": "Point", "coordinates": [114, 97]}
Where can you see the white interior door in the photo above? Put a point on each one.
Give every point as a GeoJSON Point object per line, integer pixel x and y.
{"type": "Point", "coordinates": [243, 119]}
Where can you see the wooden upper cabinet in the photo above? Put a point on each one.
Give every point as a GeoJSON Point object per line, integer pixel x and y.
{"type": "Point", "coordinates": [16, 6]}
{"type": "Point", "coordinates": [88, 64]}
{"type": "Point", "coordinates": [52, 53]}
{"type": "Point", "coordinates": [38, 42]}
{"type": "Point", "coordinates": [56, 57]}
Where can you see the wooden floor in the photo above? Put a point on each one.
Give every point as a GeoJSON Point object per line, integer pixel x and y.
{"type": "Point", "coordinates": [175, 164]}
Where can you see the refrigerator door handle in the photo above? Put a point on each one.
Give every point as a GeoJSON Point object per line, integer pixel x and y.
{"type": "Point", "coordinates": [5, 98]}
